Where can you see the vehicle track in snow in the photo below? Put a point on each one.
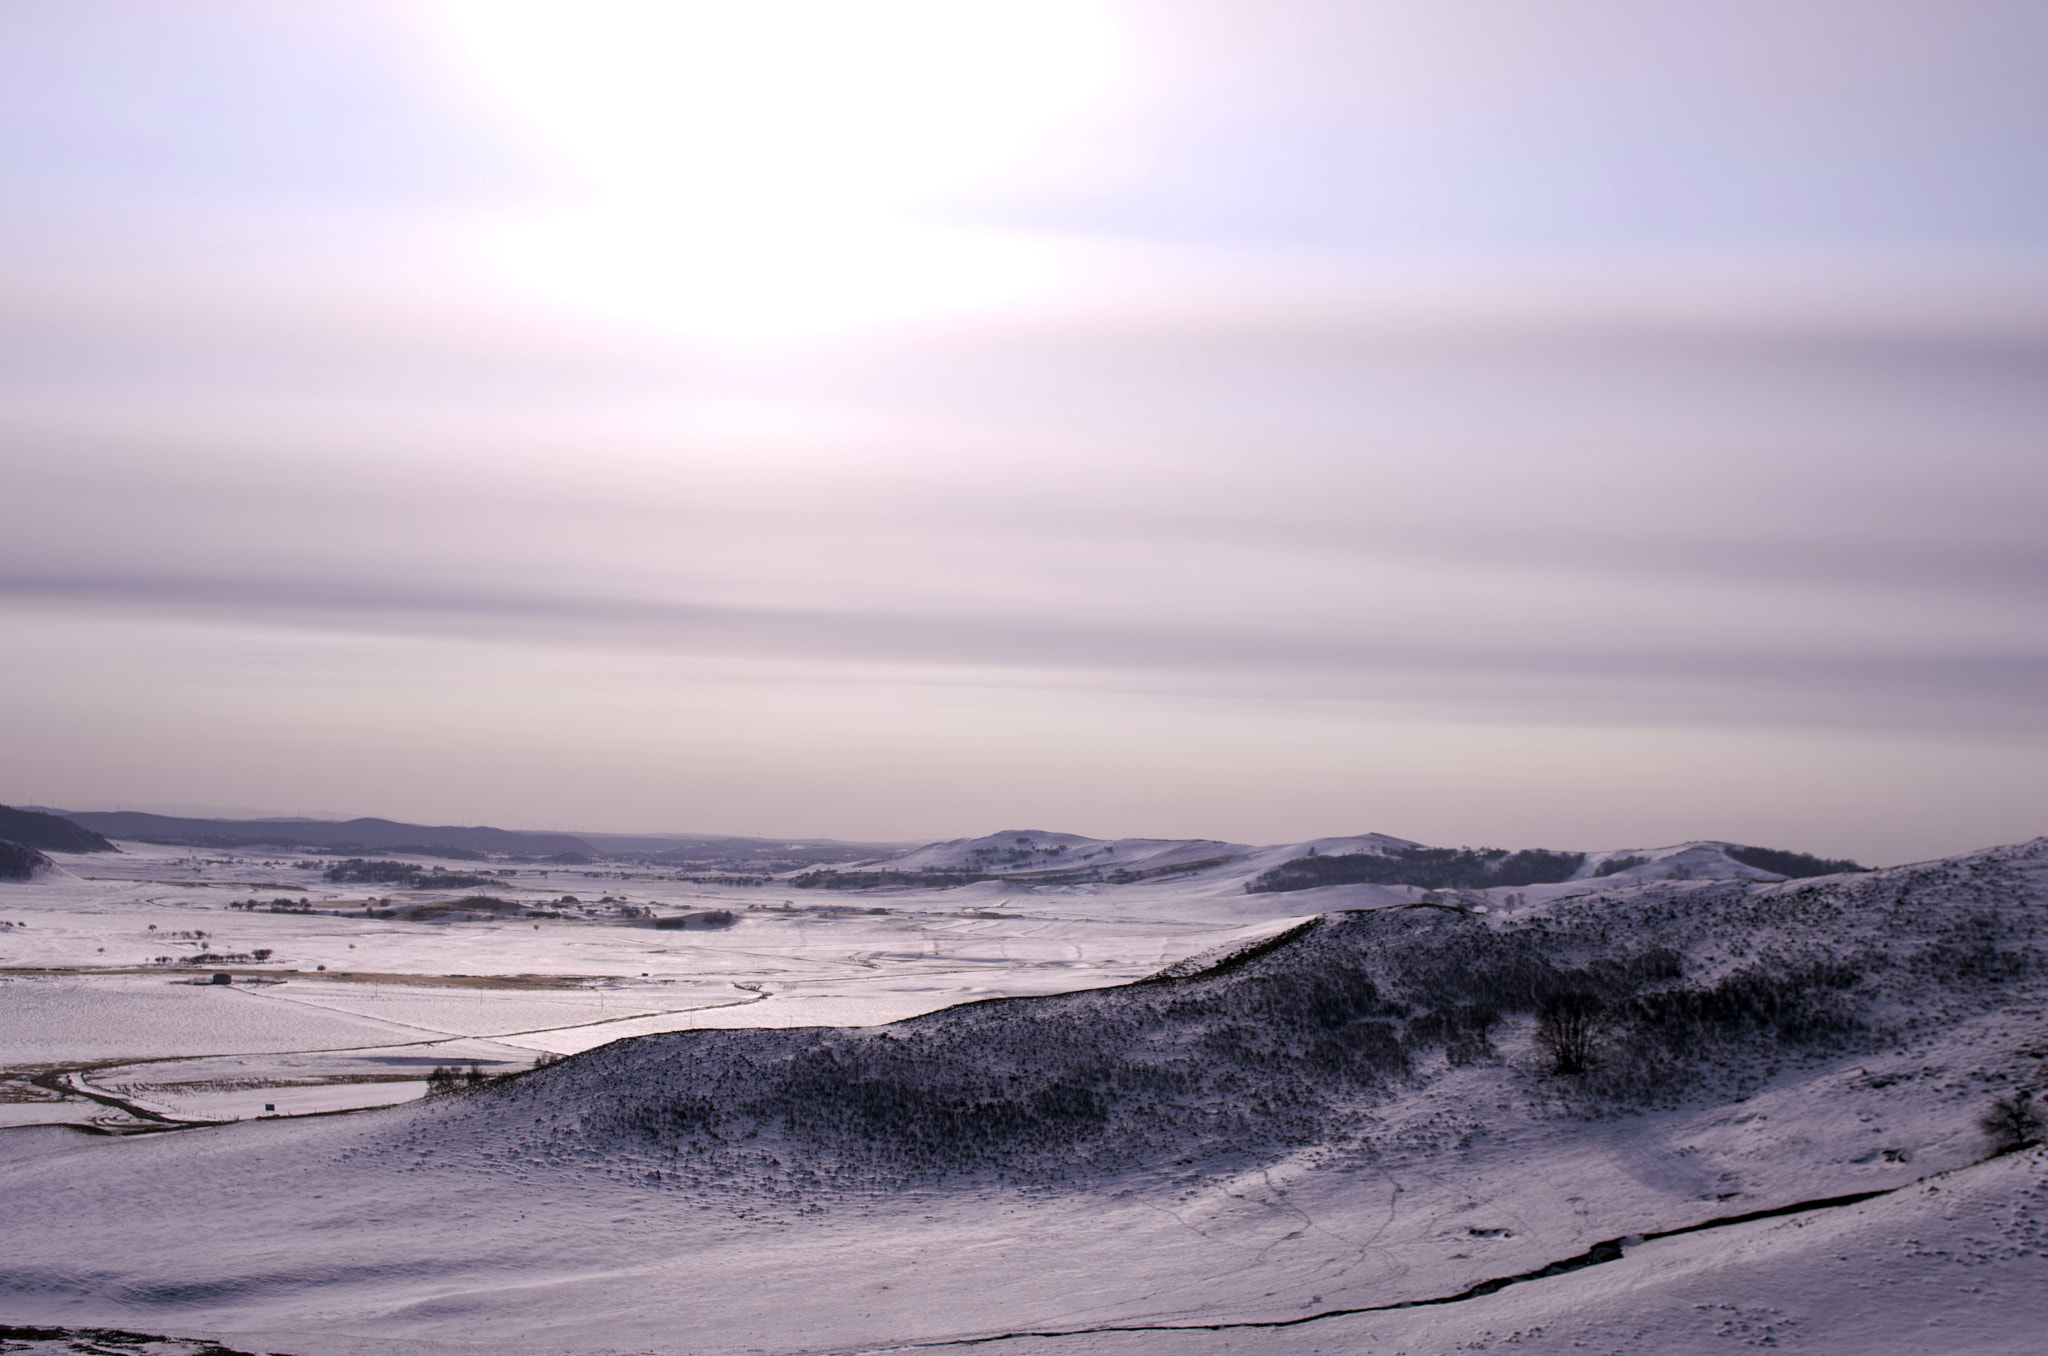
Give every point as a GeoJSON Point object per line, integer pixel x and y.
{"type": "Point", "coordinates": [1608, 1250]}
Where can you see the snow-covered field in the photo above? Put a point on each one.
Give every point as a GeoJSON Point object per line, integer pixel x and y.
{"type": "Point", "coordinates": [1274, 1153]}
{"type": "Point", "coordinates": [341, 999]}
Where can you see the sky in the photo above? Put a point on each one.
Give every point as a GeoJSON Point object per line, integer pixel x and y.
{"type": "Point", "coordinates": [1583, 425]}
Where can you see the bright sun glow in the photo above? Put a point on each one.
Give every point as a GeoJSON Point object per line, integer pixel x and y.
{"type": "Point", "coordinates": [756, 168]}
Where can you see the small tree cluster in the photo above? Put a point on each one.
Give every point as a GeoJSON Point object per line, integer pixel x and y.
{"type": "Point", "coordinates": [449, 1078]}
{"type": "Point", "coordinates": [1472, 1044]}
{"type": "Point", "coordinates": [2014, 1123]}
{"type": "Point", "coordinates": [1566, 1024]}
{"type": "Point", "coordinates": [1430, 868]}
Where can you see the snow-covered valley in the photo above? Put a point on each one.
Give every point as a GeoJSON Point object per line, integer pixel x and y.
{"type": "Point", "coordinates": [908, 1116]}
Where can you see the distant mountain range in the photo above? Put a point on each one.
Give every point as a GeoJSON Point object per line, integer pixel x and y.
{"type": "Point", "coordinates": [1025, 856]}
{"type": "Point", "coordinates": [374, 834]}
{"type": "Point", "coordinates": [708, 852]}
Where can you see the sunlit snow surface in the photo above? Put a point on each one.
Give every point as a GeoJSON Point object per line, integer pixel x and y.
{"type": "Point", "coordinates": [520, 1219]}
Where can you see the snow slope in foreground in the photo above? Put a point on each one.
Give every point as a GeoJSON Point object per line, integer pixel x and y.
{"type": "Point", "coordinates": [1279, 1137]}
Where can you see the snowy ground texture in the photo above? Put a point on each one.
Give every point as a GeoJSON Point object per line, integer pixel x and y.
{"type": "Point", "coordinates": [1317, 1135]}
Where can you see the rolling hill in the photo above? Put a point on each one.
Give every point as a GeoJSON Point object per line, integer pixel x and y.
{"type": "Point", "coordinates": [49, 833]}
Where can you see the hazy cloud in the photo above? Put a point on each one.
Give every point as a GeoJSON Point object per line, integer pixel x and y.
{"type": "Point", "coordinates": [1377, 372]}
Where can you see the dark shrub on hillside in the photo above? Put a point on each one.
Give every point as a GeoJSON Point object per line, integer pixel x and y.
{"type": "Point", "coordinates": [1802, 1004]}
{"type": "Point", "coordinates": [709, 918]}
{"type": "Point", "coordinates": [2013, 1122]}
{"type": "Point", "coordinates": [1794, 864]}
{"type": "Point", "coordinates": [1430, 868]}
{"type": "Point", "coordinates": [20, 863]}
{"type": "Point", "coordinates": [1463, 1030]}
{"type": "Point", "coordinates": [1262, 1049]}
{"type": "Point", "coordinates": [1566, 1024]}
{"type": "Point", "coordinates": [1249, 1054]}
{"type": "Point", "coordinates": [1615, 865]}
{"type": "Point", "coordinates": [456, 909]}
{"type": "Point", "coordinates": [362, 871]}
{"type": "Point", "coordinates": [1658, 1043]}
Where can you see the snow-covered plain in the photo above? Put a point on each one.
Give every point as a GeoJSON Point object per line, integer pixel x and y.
{"type": "Point", "coordinates": [341, 999]}
{"type": "Point", "coordinates": [1267, 1154]}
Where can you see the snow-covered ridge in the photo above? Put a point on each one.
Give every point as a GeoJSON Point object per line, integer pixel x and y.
{"type": "Point", "coordinates": [1337, 1012]}
{"type": "Point", "coordinates": [1038, 855]}
{"type": "Point", "coordinates": [1703, 860]}
{"type": "Point", "coordinates": [1029, 852]}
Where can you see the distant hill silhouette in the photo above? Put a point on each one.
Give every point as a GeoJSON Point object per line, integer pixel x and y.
{"type": "Point", "coordinates": [349, 833]}
{"type": "Point", "coordinates": [32, 828]}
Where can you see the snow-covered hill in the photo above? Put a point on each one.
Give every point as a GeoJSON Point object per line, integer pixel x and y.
{"type": "Point", "coordinates": [1681, 861]}
{"type": "Point", "coordinates": [1704, 986]}
{"type": "Point", "coordinates": [1038, 857]}
{"type": "Point", "coordinates": [1034, 852]}
{"type": "Point", "coordinates": [1266, 1154]}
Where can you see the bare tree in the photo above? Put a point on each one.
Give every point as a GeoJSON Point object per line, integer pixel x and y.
{"type": "Point", "coordinates": [1469, 1044]}
{"type": "Point", "coordinates": [1565, 1026]}
{"type": "Point", "coordinates": [2013, 1122]}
